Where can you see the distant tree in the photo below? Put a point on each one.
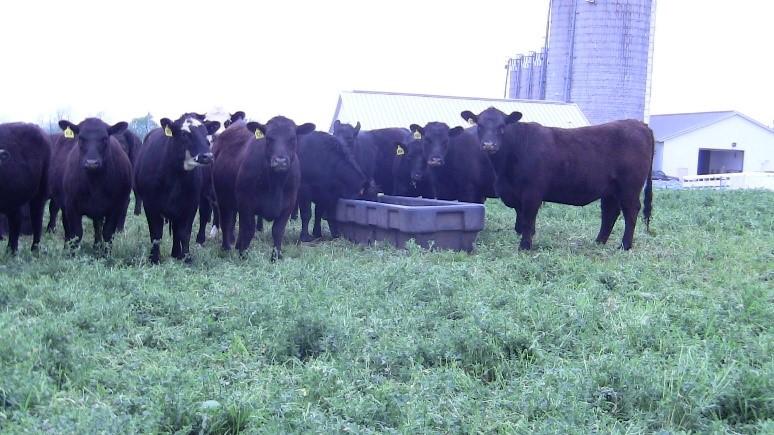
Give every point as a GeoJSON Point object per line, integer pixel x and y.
{"type": "Point", "coordinates": [141, 126]}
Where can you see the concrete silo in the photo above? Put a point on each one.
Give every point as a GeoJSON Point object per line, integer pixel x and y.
{"type": "Point", "coordinates": [598, 55]}
{"type": "Point", "coordinates": [525, 76]}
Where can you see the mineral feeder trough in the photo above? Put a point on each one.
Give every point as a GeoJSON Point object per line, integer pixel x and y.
{"type": "Point", "coordinates": [397, 219]}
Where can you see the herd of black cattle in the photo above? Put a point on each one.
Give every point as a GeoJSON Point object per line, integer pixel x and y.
{"type": "Point", "coordinates": [266, 171]}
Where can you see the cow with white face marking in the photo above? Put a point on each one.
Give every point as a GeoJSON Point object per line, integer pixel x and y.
{"type": "Point", "coordinates": [168, 177]}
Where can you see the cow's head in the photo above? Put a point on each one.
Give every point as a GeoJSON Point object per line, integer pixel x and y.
{"type": "Point", "coordinates": [491, 126]}
{"type": "Point", "coordinates": [435, 137]}
{"type": "Point", "coordinates": [4, 155]}
{"type": "Point", "coordinates": [409, 166]}
{"type": "Point", "coordinates": [281, 136]}
{"type": "Point", "coordinates": [346, 134]}
{"type": "Point", "coordinates": [234, 117]}
{"type": "Point", "coordinates": [93, 136]}
{"type": "Point", "coordinates": [189, 138]}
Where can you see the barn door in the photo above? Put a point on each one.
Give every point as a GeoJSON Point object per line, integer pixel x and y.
{"type": "Point", "coordinates": [704, 162]}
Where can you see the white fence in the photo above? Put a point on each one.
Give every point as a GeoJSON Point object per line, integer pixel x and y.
{"type": "Point", "coordinates": [740, 180]}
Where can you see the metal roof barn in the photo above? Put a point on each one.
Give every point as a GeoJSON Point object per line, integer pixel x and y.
{"type": "Point", "coordinates": [384, 109]}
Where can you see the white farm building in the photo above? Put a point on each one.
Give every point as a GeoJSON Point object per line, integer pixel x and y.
{"type": "Point", "coordinates": [690, 144]}
{"type": "Point", "coordinates": [389, 109]}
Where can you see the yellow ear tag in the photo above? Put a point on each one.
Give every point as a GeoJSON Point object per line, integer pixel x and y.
{"type": "Point", "coordinates": [68, 133]}
{"type": "Point", "coordinates": [417, 135]}
{"type": "Point", "coordinates": [258, 134]}
{"type": "Point", "coordinates": [167, 131]}
{"type": "Point", "coordinates": [471, 121]}
{"type": "Point", "coordinates": [400, 151]}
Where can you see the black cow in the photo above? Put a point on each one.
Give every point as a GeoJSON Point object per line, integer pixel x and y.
{"type": "Point", "coordinates": [137, 199]}
{"type": "Point", "coordinates": [25, 154]}
{"type": "Point", "coordinates": [328, 172]}
{"type": "Point", "coordinates": [453, 160]}
{"type": "Point", "coordinates": [96, 179]}
{"type": "Point", "coordinates": [234, 117]}
{"type": "Point", "coordinates": [168, 176]}
{"type": "Point", "coordinates": [61, 146]}
{"type": "Point", "coordinates": [410, 175]}
{"type": "Point", "coordinates": [573, 166]}
{"type": "Point", "coordinates": [373, 149]}
{"type": "Point", "coordinates": [259, 175]}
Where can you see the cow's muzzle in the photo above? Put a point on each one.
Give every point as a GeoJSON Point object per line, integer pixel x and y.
{"type": "Point", "coordinates": [435, 161]}
{"type": "Point", "coordinates": [280, 164]}
{"type": "Point", "coordinates": [4, 155]}
{"type": "Point", "coordinates": [92, 164]}
{"type": "Point", "coordinates": [489, 146]}
{"type": "Point", "coordinates": [204, 159]}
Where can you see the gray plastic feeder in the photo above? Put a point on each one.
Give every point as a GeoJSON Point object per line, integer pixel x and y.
{"type": "Point", "coordinates": [397, 219]}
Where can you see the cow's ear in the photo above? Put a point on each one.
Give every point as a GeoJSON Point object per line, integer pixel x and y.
{"type": "Point", "coordinates": [357, 128]}
{"type": "Point", "coordinates": [400, 149]}
{"type": "Point", "coordinates": [416, 131]}
{"type": "Point", "coordinates": [117, 128]}
{"type": "Point", "coordinates": [65, 125]}
{"type": "Point", "coordinates": [170, 128]}
{"type": "Point", "coordinates": [513, 117]}
{"type": "Point", "coordinates": [305, 128]}
{"type": "Point", "coordinates": [258, 129]}
{"type": "Point", "coordinates": [456, 131]}
{"type": "Point", "coordinates": [238, 115]}
{"type": "Point", "coordinates": [212, 126]}
{"type": "Point", "coordinates": [469, 117]}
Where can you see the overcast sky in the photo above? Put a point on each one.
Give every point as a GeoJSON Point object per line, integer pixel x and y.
{"type": "Point", "coordinates": [124, 59]}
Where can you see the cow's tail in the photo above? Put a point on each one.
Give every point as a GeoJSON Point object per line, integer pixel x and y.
{"type": "Point", "coordinates": [648, 209]}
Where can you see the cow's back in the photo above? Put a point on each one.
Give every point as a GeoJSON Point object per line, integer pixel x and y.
{"type": "Point", "coordinates": [579, 165]}
{"type": "Point", "coordinates": [230, 153]}
{"type": "Point", "coordinates": [231, 139]}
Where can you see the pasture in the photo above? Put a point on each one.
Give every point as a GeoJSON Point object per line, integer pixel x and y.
{"type": "Point", "coordinates": [674, 335]}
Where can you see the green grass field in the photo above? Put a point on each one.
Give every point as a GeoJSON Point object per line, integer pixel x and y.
{"type": "Point", "coordinates": [675, 335]}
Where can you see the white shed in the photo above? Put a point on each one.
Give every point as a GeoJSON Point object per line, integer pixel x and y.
{"type": "Point", "coordinates": [689, 144]}
{"type": "Point", "coordinates": [387, 109]}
